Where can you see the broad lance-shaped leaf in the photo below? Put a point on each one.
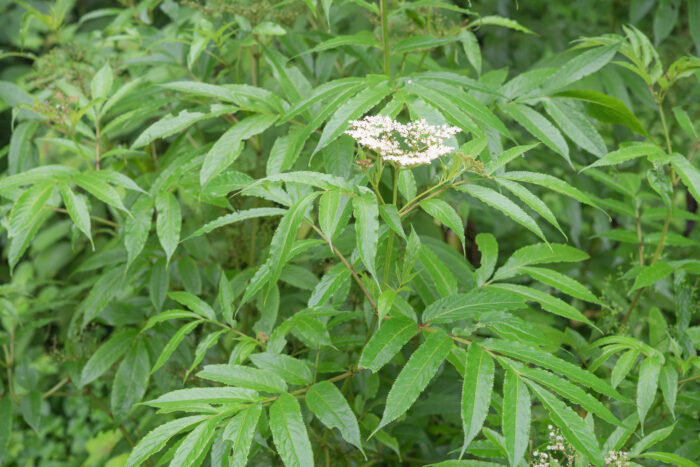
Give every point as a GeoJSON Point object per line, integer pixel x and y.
{"type": "Point", "coordinates": [688, 173]}
{"type": "Point", "coordinates": [326, 401]}
{"type": "Point", "coordinates": [551, 183]}
{"type": "Point", "coordinates": [137, 226]}
{"type": "Point", "coordinates": [106, 355]}
{"type": "Point", "coordinates": [415, 376]}
{"type": "Point", "coordinates": [668, 458]}
{"type": "Point", "coordinates": [196, 443]}
{"type": "Point", "coordinates": [169, 125]}
{"type": "Point", "coordinates": [627, 153]}
{"type": "Point", "coordinates": [169, 222]}
{"type": "Point", "coordinates": [582, 65]}
{"type": "Point", "coordinates": [539, 127]}
{"type": "Point", "coordinates": [575, 430]}
{"type": "Point", "coordinates": [576, 126]}
{"type": "Point", "coordinates": [488, 247]}
{"type": "Point", "coordinates": [386, 342]}
{"type": "Point", "coordinates": [173, 343]}
{"type": "Point", "coordinates": [27, 208]}
{"type": "Point", "coordinates": [234, 217]}
{"type": "Point", "coordinates": [516, 417]}
{"type": "Point", "coordinates": [287, 367]}
{"type": "Point", "coordinates": [623, 366]}
{"type": "Point", "coordinates": [240, 431]}
{"type": "Point", "coordinates": [668, 382]}
{"type": "Point", "coordinates": [547, 360]}
{"type": "Point", "coordinates": [549, 303]}
{"type": "Point", "coordinates": [503, 204]}
{"type": "Point", "coordinates": [650, 274]}
{"type": "Point", "coordinates": [366, 211]}
{"type": "Point", "coordinates": [321, 92]}
{"type": "Point", "coordinates": [195, 397]}
{"type": "Point", "coordinates": [227, 148]}
{"type": "Point", "coordinates": [333, 213]}
{"type": "Point", "coordinates": [646, 386]}
{"type": "Point", "coordinates": [446, 214]}
{"type": "Point", "coordinates": [289, 432]}
{"type": "Point", "coordinates": [606, 108]}
{"type": "Point", "coordinates": [194, 303]}
{"type": "Point", "coordinates": [532, 200]}
{"type": "Point", "coordinates": [456, 307]}
{"type": "Point", "coordinates": [77, 209]}
{"type": "Point", "coordinates": [562, 282]}
{"type": "Point", "coordinates": [131, 380]}
{"type": "Point", "coordinates": [564, 388]}
{"type": "Point", "coordinates": [476, 392]}
{"type": "Point", "coordinates": [245, 377]}
{"type": "Point", "coordinates": [156, 439]}
{"type": "Point", "coordinates": [540, 253]}
{"type": "Point", "coordinates": [283, 239]}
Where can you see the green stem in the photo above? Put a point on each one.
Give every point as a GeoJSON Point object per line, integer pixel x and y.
{"type": "Point", "coordinates": [390, 242]}
{"type": "Point", "coordinates": [384, 12]}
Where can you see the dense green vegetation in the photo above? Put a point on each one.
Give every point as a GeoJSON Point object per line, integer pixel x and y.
{"type": "Point", "coordinates": [349, 232]}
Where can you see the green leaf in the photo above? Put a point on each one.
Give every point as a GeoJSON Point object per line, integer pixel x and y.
{"type": "Point", "coordinates": [106, 355]}
{"type": "Point", "coordinates": [561, 282]}
{"type": "Point", "coordinates": [539, 127]}
{"type": "Point", "coordinates": [27, 208]}
{"type": "Point", "coordinates": [169, 222]}
{"type": "Point", "coordinates": [582, 65]}
{"type": "Point", "coordinates": [499, 21]}
{"type": "Point", "coordinates": [516, 417]}
{"type": "Point", "coordinates": [168, 126]}
{"type": "Point", "coordinates": [234, 217]}
{"type": "Point", "coordinates": [196, 443]}
{"type": "Point", "coordinates": [289, 368]}
{"type": "Point", "coordinates": [646, 386]}
{"type": "Point", "coordinates": [101, 83]}
{"type": "Point", "coordinates": [564, 389]}
{"type": "Point", "coordinates": [476, 392]}
{"type": "Point", "coordinates": [457, 307]}
{"type": "Point", "coordinates": [488, 247]}
{"type": "Point", "coordinates": [173, 343]}
{"type": "Point", "coordinates": [30, 406]}
{"type": "Point", "coordinates": [606, 108]}
{"type": "Point", "coordinates": [77, 209]}
{"type": "Point", "coordinates": [360, 39]}
{"type": "Point", "coordinates": [107, 286]}
{"type": "Point", "coordinates": [668, 382]}
{"type": "Point", "coordinates": [532, 200]}
{"type": "Point", "coordinates": [627, 153]}
{"type": "Point", "coordinates": [694, 23]}
{"type": "Point", "coordinates": [195, 397]}
{"type": "Point", "coordinates": [392, 218]}
{"type": "Point", "coordinates": [575, 430]}
{"type": "Point", "coordinates": [437, 272]}
{"type": "Point", "coordinates": [156, 439]}
{"type": "Point", "coordinates": [194, 303]}
{"type": "Point", "coordinates": [417, 43]}
{"type": "Point", "coordinates": [386, 342]}
{"type": "Point", "coordinates": [446, 214]}
{"type": "Point", "coordinates": [158, 283]}
{"type": "Point", "coordinates": [503, 204]}
{"type": "Point", "coordinates": [648, 275]}
{"type": "Point", "coordinates": [669, 458]}
{"type": "Point", "coordinates": [682, 116]}
{"type": "Point", "coordinates": [365, 210]}
{"type": "Point", "coordinates": [326, 401]}
{"type": "Point", "coordinates": [415, 376]}
{"type": "Point", "coordinates": [351, 109]}
{"type": "Point", "coordinates": [329, 284]}
{"type": "Point", "coordinates": [229, 146]}
{"type": "Point", "coordinates": [546, 360]}
{"type": "Point", "coordinates": [204, 345]}
{"type": "Point", "coordinates": [131, 380]}
{"type": "Point", "coordinates": [35, 175]}
{"type": "Point", "coordinates": [240, 430]}
{"type": "Point", "coordinates": [623, 366]}
{"type": "Point", "coordinates": [245, 377]}
{"type": "Point", "coordinates": [664, 20]}
{"type": "Point", "coordinates": [137, 226]}
{"type": "Point", "coordinates": [507, 156]}
{"type": "Point", "coordinates": [549, 303]}
{"type": "Point", "coordinates": [576, 126]}
{"type": "Point", "coordinates": [651, 439]}
{"type": "Point", "coordinates": [688, 173]}
{"type": "Point", "coordinates": [551, 183]}
{"type": "Point", "coordinates": [289, 432]}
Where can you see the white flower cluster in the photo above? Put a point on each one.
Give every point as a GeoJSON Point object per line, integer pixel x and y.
{"type": "Point", "coordinates": [409, 144]}
{"type": "Point", "coordinates": [617, 459]}
{"type": "Point", "coordinates": [556, 444]}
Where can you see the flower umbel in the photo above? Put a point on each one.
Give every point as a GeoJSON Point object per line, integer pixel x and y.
{"type": "Point", "coordinates": [409, 144]}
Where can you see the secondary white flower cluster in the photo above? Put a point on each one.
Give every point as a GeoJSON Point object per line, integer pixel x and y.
{"type": "Point", "coordinates": [409, 144]}
{"type": "Point", "coordinates": [617, 459]}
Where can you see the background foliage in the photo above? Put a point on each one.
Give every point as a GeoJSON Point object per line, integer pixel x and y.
{"type": "Point", "coordinates": [201, 268]}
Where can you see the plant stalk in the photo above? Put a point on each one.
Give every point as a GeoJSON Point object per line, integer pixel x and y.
{"type": "Point", "coordinates": [384, 12]}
